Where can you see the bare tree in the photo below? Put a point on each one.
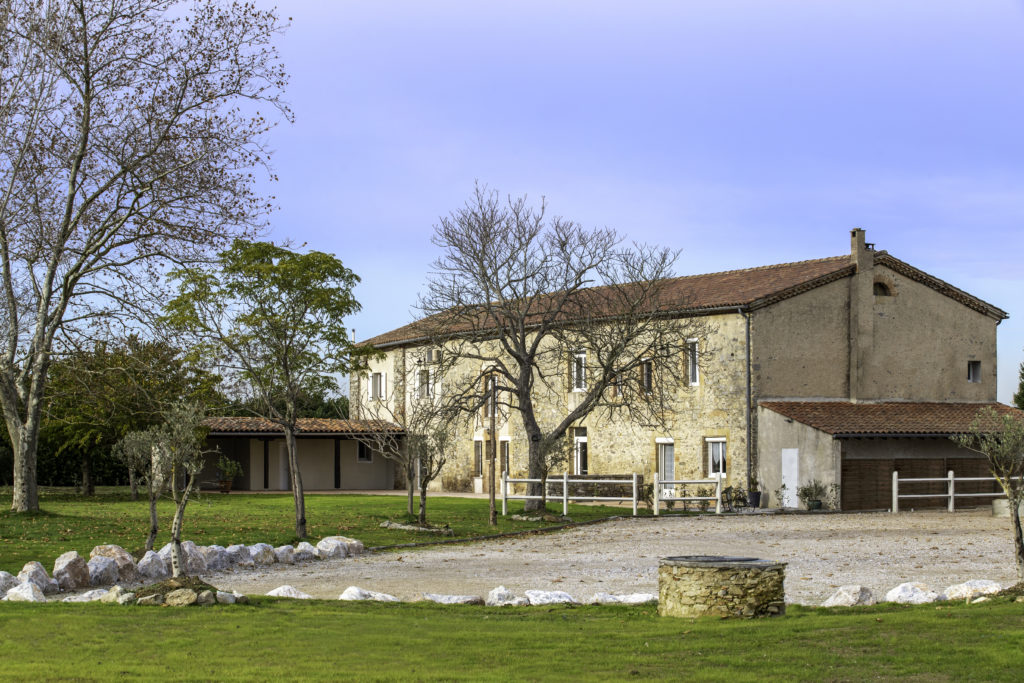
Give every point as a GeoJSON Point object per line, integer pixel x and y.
{"type": "Point", "coordinates": [546, 308]}
{"type": "Point", "coordinates": [129, 130]}
{"type": "Point", "coordinates": [141, 452]}
{"type": "Point", "coordinates": [424, 436]}
{"type": "Point", "coordinates": [1000, 438]}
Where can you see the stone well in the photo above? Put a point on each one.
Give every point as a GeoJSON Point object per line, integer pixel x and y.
{"type": "Point", "coordinates": [701, 585]}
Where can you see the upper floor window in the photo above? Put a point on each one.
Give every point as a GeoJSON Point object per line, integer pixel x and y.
{"type": "Point", "coordinates": [489, 408]}
{"type": "Point", "coordinates": [974, 371]}
{"type": "Point", "coordinates": [378, 385]}
{"type": "Point", "coordinates": [882, 289]}
{"type": "Point", "coordinates": [647, 376]}
{"type": "Point", "coordinates": [478, 458]}
{"type": "Point", "coordinates": [692, 364]}
{"type": "Point", "coordinates": [578, 371]}
{"type": "Point", "coordinates": [423, 385]}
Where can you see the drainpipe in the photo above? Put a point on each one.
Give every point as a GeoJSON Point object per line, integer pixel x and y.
{"type": "Point", "coordinates": [746, 318]}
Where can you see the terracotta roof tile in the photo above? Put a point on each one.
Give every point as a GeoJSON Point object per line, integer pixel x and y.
{"type": "Point", "coordinates": [307, 425]}
{"type": "Point", "coordinates": [843, 418]}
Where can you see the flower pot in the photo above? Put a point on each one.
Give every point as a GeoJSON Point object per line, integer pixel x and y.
{"type": "Point", "coordinates": [225, 485]}
{"type": "Point", "coordinates": [754, 499]}
{"type": "Point", "coordinates": [814, 505]}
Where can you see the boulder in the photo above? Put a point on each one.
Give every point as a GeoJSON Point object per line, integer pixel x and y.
{"type": "Point", "coordinates": [850, 596]}
{"type": "Point", "coordinates": [289, 592]}
{"type": "Point", "coordinates": [623, 598]}
{"type": "Point", "coordinates": [102, 571]}
{"type": "Point", "coordinates": [454, 599]}
{"type": "Point", "coordinates": [114, 594]}
{"type": "Point", "coordinates": [34, 572]}
{"type": "Point", "coordinates": [968, 590]}
{"type": "Point", "coordinates": [356, 593]}
{"type": "Point", "coordinates": [126, 599]}
{"type": "Point", "coordinates": [183, 597]}
{"type": "Point", "coordinates": [152, 567]}
{"type": "Point", "coordinates": [154, 599]}
{"type": "Point", "coordinates": [225, 598]}
{"type": "Point", "coordinates": [206, 598]}
{"type": "Point", "coordinates": [88, 596]}
{"type": "Point", "coordinates": [25, 592]}
{"type": "Point", "coordinates": [911, 593]}
{"type": "Point", "coordinates": [353, 546]}
{"type": "Point", "coordinates": [501, 597]}
{"type": "Point", "coordinates": [285, 554]}
{"type": "Point", "coordinates": [7, 582]}
{"type": "Point", "coordinates": [549, 597]}
{"type": "Point", "coordinates": [71, 571]}
{"type": "Point", "coordinates": [262, 554]}
{"type": "Point", "coordinates": [330, 548]}
{"type": "Point", "coordinates": [239, 598]}
{"type": "Point", "coordinates": [240, 556]}
{"type": "Point", "coordinates": [304, 552]}
{"type": "Point", "coordinates": [126, 571]}
{"type": "Point", "coordinates": [191, 558]}
{"type": "Point", "coordinates": [216, 557]}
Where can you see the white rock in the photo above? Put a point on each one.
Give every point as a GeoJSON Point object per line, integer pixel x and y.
{"type": "Point", "coordinates": [88, 596]}
{"type": "Point", "coordinates": [912, 593]}
{"type": "Point", "coordinates": [356, 593]}
{"type": "Point", "coordinates": [304, 551]}
{"type": "Point", "coordinates": [114, 594]}
{"type": "Point", "coordinates": [25, 592]}
{"type": "Point", "coordinates": [549, 597]}
{"type": "Point", "coordinates": [226, 598]}
{"type": "Point", "coordinates": [262, 554]}
{"type": "Point", "coordinates": [983, 598]}
{"type": "Point", "coordinates": [289, 592]}
{"type": "Point", "coordinates": [968, 590]}
{"type": "Point", "coordinates": [501, 597]}
{"type": "Point", "coordinates": [34, 572]}
{"type": "Point", "coordinates": [240, 556]}
{"type": "Point", "coordinates": [353, 546]}
{"type": "Point", "coordinates": [71, 571]}
{"type": "Point", "coordinates": [152, 567]}
{"type": "Point", "coordinates": [330, 548]}
{"type": "Point", "coordinates": [102, 571]}
{"type": "Point", "coordinates": [849, 596]}
{"type": "Point", "coordinates": [623, 598]}
{"type": "Point", "coordinates": [191, 557]}
{"type": "Point", "coordinates": [126, 571]}
{"type": "Point", "coordinates": [216, 557]}
{"type": "Point", "coordinates": [285, 554]}
{"type": "Point", "coordinates": [453, 599]}
{"type": "Point", "coordinates": [7, 582]}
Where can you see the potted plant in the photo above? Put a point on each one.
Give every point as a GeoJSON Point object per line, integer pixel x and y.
{"type": "Point", "coordinates": [227, 470]}
{"type": "Point", "coordinates": [811, 494]}
{"type": "Point", "coordinates": [754, 494]}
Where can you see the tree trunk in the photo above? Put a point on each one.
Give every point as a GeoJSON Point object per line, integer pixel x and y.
{"type": "Point", "coordinates": [423, 501]}
{"type": "Point", "coordinates": [153, 521]}
{"type": "Point", "coordinates": [297, 493]}
{"type": "Point", "coordinates": [26, 493]}
{"type": "Point", "coordinates": [536, 471]}
{"type": "Point", "coordinates": [1018, 536]}
{"type": "Point", "coordinates": [410, 481]}
{"type": "Point", "coordinates": [177, 566]}
{"type": "Point", "coordinates": [133, 483]}
{"type": "Point", "coordinates": [88, 488]}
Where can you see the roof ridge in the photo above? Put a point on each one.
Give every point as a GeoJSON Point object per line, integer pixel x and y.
{"type": "Point", "coordinates": [768, 267]}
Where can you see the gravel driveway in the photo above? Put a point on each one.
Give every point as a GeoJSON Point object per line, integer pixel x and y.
{"type": "Point", "coordinates": [878, 550]}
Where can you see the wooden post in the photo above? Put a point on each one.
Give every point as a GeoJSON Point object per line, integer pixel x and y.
{"type": "Point", "coordinates": [949, 488]}
{"type": "Point", "coordinates": [493, 517]}
{"type": "Point", "coordinates": [636, 490]}
{"type": "Point", "coordinates": [504, 492]}
{"type": "Point", "coordinates": [565, 494]}
{"type": "Point", "coordinates": [718, 495]}
{"type": "Point", "coordinates": [656, 494]}
{"type": "Point", "coordinates": [895, 491]}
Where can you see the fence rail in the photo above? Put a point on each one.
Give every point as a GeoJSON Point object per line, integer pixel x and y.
{"type": "Point", "coordinates": [661, 485]}
{"type": "Point", "coordinates": [565, 481]}
{"type": "Point", "coordinates": [950, 494]}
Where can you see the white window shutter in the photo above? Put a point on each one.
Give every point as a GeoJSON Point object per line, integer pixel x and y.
{"type": "Point", "coordinates": [369, 386]}
{"type": "Point", "coordinates": [384, 385]}
{"type": "Point", "coordinates": [437, 384]}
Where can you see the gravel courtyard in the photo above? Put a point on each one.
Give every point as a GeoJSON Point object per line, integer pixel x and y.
{"type": "Point", "coordinates": [878, 550]}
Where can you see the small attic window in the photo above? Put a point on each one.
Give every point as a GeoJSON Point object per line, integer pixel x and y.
{"type": "Point", "coordinates": [882, 289]}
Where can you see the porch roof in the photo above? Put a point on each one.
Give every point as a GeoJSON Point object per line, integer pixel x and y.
{"type": "Point", "coordinates": [306, 426]}
{"type": "Point", "coordinates": [890, 418]}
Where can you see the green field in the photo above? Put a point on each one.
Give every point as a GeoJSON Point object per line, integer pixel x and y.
{"type": "Point", "coordinates": [73, 522]}
{"type": "Point", "coordinates": [325, 640]}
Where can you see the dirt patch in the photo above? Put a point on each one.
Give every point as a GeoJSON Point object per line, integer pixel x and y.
{"type": "Point", "coordinates": [878, 550]}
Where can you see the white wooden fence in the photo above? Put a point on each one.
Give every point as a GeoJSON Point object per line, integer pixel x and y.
{"type": "Point", "coordinates": [950, 494]}
{"type": "Point", "coordinates": [565, 481]}
{"type": "Point", "coordinates": [661, 487]}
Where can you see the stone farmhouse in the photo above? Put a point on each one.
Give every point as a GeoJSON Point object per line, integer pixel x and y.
{"type": "Point", "coordinates": [840, 369]}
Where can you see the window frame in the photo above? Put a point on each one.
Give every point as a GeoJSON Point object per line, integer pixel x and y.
{"type": "Point", "coordinates": [647, 376]}
{"type": "Point", "coordinates": [578, 372]}
{"type": "Point", "coordinates": [709, 443]}
{"type": "Point", "coordinates": [478, 457]}
{"type": "Point", "coordinates": [364, 454]}
{"type": "Point", "coordinates": [693, 362]}
{"type": "Point", "coordinates": [974, 371]}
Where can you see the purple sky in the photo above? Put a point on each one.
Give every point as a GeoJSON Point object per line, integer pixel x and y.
{"type": "Point", "coordinates": [743, 132]}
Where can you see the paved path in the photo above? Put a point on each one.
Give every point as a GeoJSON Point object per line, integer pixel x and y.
{"type": "Point", "coordinates": [879, 550]}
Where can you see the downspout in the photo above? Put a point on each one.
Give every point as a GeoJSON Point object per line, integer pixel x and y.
{"type": "Point", "coordinates": [746, 318]}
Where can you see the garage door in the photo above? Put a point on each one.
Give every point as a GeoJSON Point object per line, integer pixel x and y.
{"type": "Point", "coordinates": [867, 484]}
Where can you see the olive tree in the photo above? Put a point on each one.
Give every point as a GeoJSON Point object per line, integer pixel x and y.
{"type": "Point", "coordinates": [271, 322]}
{"type": "Point", "coordinates": [999, 436]}
{"type": "Point", "coordinates": [129, 133]}
{"type": "Point", "coordinates": [525, 306]}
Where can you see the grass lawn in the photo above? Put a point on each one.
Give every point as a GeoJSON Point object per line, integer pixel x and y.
{"type": "Point", "coordinates": [72, 522]}
{"type": "Point", "coordinates": [289, 640]}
